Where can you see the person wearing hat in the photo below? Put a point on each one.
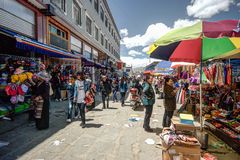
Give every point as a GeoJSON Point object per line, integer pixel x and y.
{"type": "Point", "coordinates": [80, 90]}
{"type": "Point", "coordinates": [42, 93]}
{"type": "Point", "coordinates": [105, 87]}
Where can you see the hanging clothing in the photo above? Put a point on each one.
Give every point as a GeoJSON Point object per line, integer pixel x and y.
{"type": "Point", "coordinates": [229, 74]}
{"type": "Point", "coordinates": [220, 75]}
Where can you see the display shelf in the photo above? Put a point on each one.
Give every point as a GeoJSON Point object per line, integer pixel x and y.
{"type": "Point", "coordinates": [233, 143]}
{"type": "Point", "coordinates": [234, 130]}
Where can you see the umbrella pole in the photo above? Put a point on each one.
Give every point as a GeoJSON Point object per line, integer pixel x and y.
{"type": "Point", "coordinates": [201, 68]}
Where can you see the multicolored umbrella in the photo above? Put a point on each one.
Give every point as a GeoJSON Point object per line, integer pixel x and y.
{"type": "Point", "coordinates": [188, 43]}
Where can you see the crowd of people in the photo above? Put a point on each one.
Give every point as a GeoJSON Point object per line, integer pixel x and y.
{"type": "Point", "coordinates": [81, 95]}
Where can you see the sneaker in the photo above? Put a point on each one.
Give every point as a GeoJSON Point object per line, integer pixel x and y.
{"type": "Point", "coordinates": [56, 100]}
{"type": "Point", "coordinates": [76, 117]}
{"type": "Point", "coordinates": [60, 100]}
{"type": "Point", "coordinates": [83, 125]}
{"type": "Point", "coordinates": [69, 120]}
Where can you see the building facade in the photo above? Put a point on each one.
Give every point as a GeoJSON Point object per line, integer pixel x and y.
{"type": "Point", "coordinates": [87, 27]}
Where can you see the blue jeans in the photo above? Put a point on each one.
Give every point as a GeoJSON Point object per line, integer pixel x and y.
{"type": "Point", "coordinates": [57, 92]}
{"type": "Point", "coordinates": [105, 97]}
{"type": "Point", "coordinates": [123, 94]}
{"type": "Point", "coordinates": [81, 107]}
{"type": "Point", "coordinates": [70, 109]}
{"type": "Point", "coordinates": [115, 95]}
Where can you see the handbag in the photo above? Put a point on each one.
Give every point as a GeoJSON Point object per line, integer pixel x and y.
{"type": "Point", "coordinates": [50, 89]}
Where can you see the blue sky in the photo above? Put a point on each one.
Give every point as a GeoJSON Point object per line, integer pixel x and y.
{"type": "Point", "coordinates": [141, 22]}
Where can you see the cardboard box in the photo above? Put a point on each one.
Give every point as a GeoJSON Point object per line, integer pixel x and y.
{"type": "Point", "coordinates": [182, 153]}
{"type": "Point", "coordinates": [184, 127]}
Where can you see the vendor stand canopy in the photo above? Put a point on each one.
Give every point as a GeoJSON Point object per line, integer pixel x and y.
{"type": "Point", "coordinates": [179, 64]}
{"type": "Point", "coordinates": [163, 68]}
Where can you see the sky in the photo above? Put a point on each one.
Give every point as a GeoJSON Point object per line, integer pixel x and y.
{"type": "Point", "coordinates": [141, 22]}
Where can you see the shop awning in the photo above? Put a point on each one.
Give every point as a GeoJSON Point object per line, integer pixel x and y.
{"type": "Point", "coordinates": [88, 62]}
{"type": "Point", "coordinates": [98, 65]}
{"type": "Point", "coordinates": [28, 44]}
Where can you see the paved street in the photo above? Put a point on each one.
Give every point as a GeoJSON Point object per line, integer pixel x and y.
{"type": "Point", "coordinates": [108, 135]}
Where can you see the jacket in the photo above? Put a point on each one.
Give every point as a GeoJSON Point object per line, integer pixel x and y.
{"type": "Point", "coordinates": [123, 87]}
{"type": "Point", "coordinates": [169, 98]}
{"type": "Point", "coordinates": [148, 97]}
{"type": "Point", "coordinates": [106, 87]}
{"type": "Point", "coordinates": [76, 89]}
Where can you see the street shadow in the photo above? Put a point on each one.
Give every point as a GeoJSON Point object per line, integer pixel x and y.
{"type": "Point", "coordinates": [96, 109]}
{"type": "Point", "coordinates": [111, 108]}
{"type": "Point", "coordinates": [157, 130]}
{"type": "Point", "coordinates": [92, 125]}
{"type": "Point", "coordinates": [87, 120]}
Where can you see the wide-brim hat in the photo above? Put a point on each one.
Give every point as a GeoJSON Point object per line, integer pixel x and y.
{"type": "Point", "coordinates": [19, 71]}
{"type": "Point", "coordinates": [43, 75]}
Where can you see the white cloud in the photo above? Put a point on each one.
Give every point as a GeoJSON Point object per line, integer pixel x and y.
{"type": "Point", "coordinates": [238, 4]}
{"type": "Point", "coordinates": [184, 22]}
{"type": "Point", "coordinates": [153, 32]}
{"type": "Point", "coordinates": [208, 8]}
{"type": "Point", "coordinates": [137, 62]}
{"type": "Point", "coordinates": [134, 53]}
{"type": "Point", "coordinates": [124, 32]}
{"type": "Point", "coordinates": [146, 49]}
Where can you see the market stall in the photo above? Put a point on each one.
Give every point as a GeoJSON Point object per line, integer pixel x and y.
{"type": "Point", "coordinates": [198, 44]}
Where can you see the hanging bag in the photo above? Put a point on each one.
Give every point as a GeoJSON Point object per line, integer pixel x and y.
{"type": "Point", "coordinates": [50, 89]}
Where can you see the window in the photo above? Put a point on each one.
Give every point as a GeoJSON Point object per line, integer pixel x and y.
{"type": "Point", "coordinates": [77, 13]}
{"type": "Point", "coordinates": [102, 40]}
{"type": "Point", "coordinates": [96, 5]}
{"type": "Point", "coordinates": [106, 44]}
{"type": "Point", "coordinates": [109, 47]}
{"type": "Point", "coordinates": [89, 25]}
{"type": "Point", "coordinates": [106, 21]}
{"type": "Point", "coordinates": [102, 13]}
{"type": "Point", "coordinates": [76, 45]}
{"type": "Point", "coordinates": [60, 4]}
{"type": "Point", "coordinates": [87, 52]}
{"type": "Point", "coordinates": [58, 37]}
{"type": "Point", "coordinates": [109, 27]}
{"type": "Point", "coordinates": [96, 33]}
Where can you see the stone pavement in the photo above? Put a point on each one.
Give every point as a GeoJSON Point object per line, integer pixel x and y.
{"type": "Point", "coordinates": [108, 135]}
